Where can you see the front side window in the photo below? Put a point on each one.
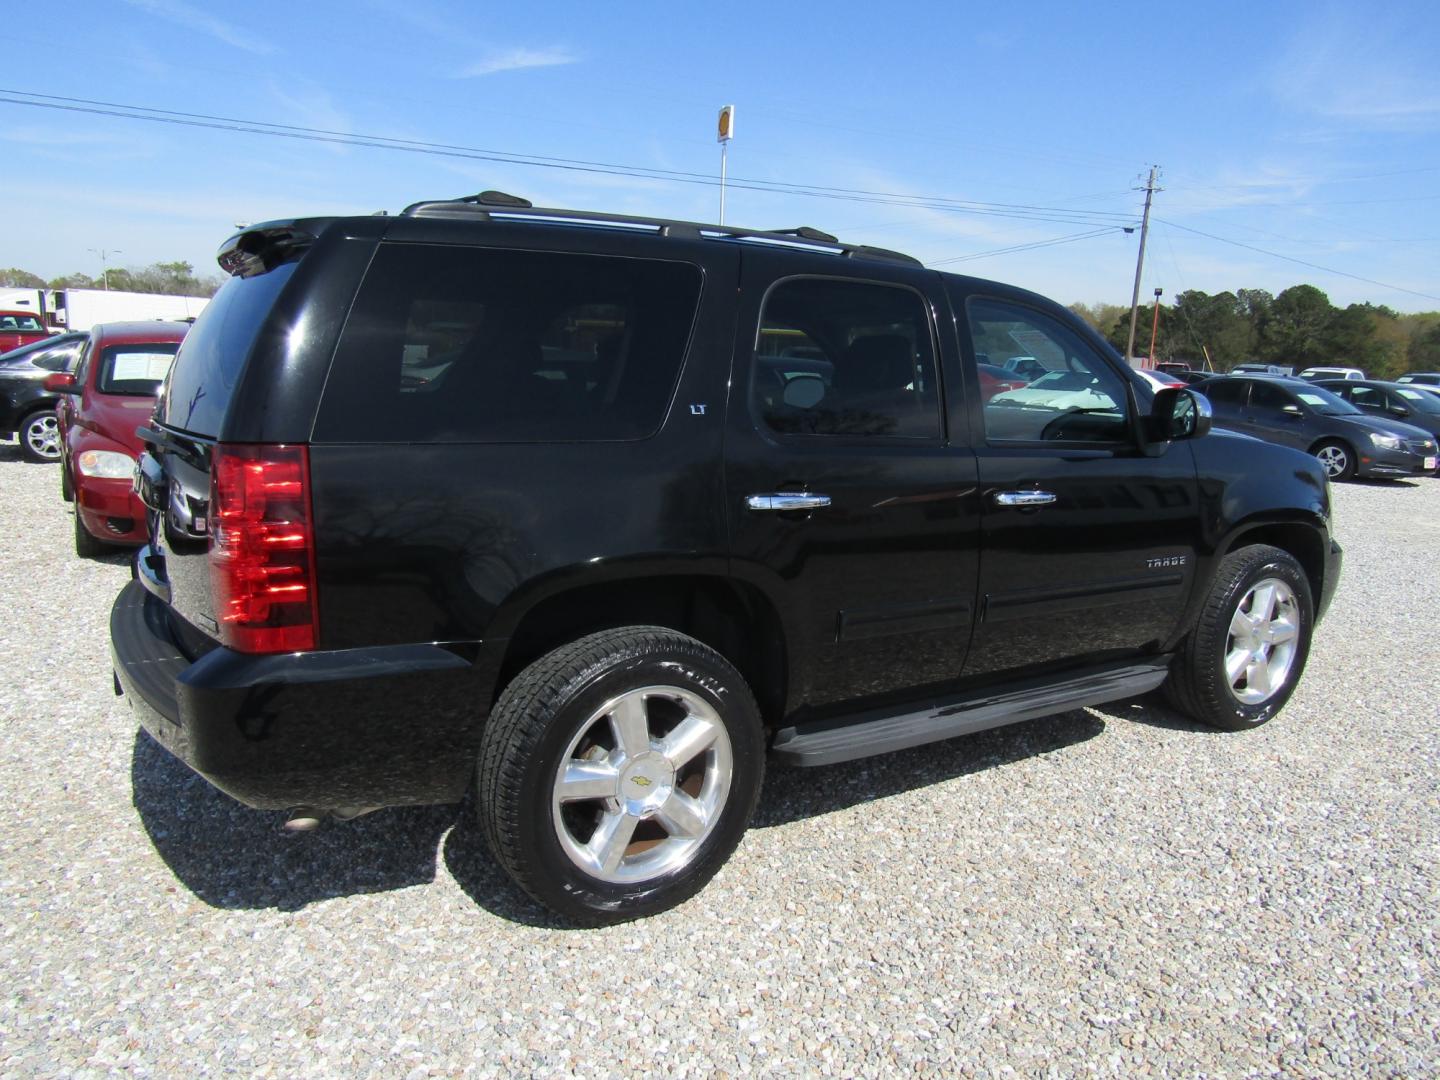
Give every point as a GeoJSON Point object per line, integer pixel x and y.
{"type": "Point", "coordinates": [845, 358]}
{"type": "Point", "coordinates": [1070, 393]}
{"type": "Point", "coordinates": [461, 344]}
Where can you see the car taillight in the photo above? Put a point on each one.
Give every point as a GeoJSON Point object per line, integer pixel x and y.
{"type": "Point", "coordinates": [262, 550]}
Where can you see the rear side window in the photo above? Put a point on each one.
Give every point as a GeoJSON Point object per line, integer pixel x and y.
{"type": "Point", "coordinates": [134, 368]}
{"type": "Point", "coordinates": [460, 344]}
{"type": "Point", "coordinates": [845, 358]}
{"type": "Point", "coordinates": [209, 361]}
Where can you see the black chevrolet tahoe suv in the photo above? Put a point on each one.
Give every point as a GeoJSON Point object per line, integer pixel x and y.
{"type": "Point", "coordinates": [594, 514]}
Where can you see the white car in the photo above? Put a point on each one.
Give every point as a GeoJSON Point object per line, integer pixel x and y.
{"type": "Point", "coordinates": [1332, 373]}
{"type": "Point", "coordinates": [1058, 390]}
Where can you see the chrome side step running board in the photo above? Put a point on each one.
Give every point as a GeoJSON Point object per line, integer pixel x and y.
{"type": "Point", "coordinates": [826, 742]}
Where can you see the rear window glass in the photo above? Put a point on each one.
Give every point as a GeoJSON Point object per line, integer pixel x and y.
{"type": "Point", "coordinates": [27, 323]}
{"type": "Point", "coordinates": [209, 362]}
{"type": "Point", "coordinates": [459, 344]}
{"type": "Point", "coordinates": [134, 368]}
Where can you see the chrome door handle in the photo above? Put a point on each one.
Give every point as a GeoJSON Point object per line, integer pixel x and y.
{"type": "Point", "coordinates": [1023, 498]}
{"type": "Point", "coordinates": [787, 500]}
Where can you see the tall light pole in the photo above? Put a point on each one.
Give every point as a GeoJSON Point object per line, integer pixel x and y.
{"type": "Point", "coordinates": [1155, 326]}
{"type": "Point", "coordinates": [105, 254]}
{"type": "Point", "coordinates": [1150, 190]}
{"type": "Point", "coordinates": [724, 133]}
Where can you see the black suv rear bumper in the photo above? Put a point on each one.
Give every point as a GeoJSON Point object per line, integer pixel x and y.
{"type": "Point", "coordinates": [348, 729]}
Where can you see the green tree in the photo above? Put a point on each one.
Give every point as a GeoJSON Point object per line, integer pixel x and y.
{"type": "Point", "coordinates": [1368, 337]}
{"type": "Point", "coordinates": [1293, 333]}
{"type": "Point", "coordinates": [1424, 352]}
{"type": "Point", "coordinates": [20, 279]}
{"type": "Point", "coordinates": [73, 281]}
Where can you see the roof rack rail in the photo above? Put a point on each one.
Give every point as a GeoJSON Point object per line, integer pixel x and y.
{"type": "Point", "coordinates": [490, 205]}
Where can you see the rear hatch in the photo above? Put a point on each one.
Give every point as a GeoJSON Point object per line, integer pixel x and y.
{"type": "Point", "coordinates": [174, 476]}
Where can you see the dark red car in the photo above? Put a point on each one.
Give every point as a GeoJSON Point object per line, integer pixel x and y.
{"type": "Point", "coordinates": [111, 393]}
{"type": "Point", "coordinates": [20, 328]}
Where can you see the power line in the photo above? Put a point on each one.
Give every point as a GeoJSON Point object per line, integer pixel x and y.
{"type": "Point", "coordinates": [1301, 262]}
{"type": "Point", "coordinates": [1023, 247]}
{"type": "Point", "coordinates": [946, 204]}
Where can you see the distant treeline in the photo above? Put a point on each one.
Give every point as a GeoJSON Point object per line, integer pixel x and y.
{"type": "Point", "coordinates": [1299, 328]}
{"type": "Point", "coordinates": [171, 278]}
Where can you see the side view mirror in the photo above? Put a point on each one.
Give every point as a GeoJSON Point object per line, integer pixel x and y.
{"type": "Point", "coordinates": [1291, 410]}
{"type": "Point", "coordinates": [1179, 413]}
{"type": "Point", "coordinates": [62, 382]}
{"type": "Point", "coordinates": [1399, 410]}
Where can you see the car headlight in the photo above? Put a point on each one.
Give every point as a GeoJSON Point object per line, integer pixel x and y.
{"type": "Point", "coordinates": [105, 464]}
{"type": "Point", "coordinates": [1385, 442]}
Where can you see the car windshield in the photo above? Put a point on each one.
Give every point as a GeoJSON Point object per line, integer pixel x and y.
{"type": "Point", "coordinates": [1326, 403]}
{"type": "Point", "coordinates": [12, 321]}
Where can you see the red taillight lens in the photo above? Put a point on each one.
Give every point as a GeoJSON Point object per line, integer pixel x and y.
{"type": "Point", "coordinates": [262, 551]}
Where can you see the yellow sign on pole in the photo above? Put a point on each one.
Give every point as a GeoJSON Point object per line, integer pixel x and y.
{"type": "Point", "coordinates": [726, 130]}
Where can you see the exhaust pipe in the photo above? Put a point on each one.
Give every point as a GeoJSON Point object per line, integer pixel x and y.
{"type": "Point", "coordinates": [302, 819]}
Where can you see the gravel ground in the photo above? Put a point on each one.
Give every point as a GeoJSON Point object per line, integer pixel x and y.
{"type": "Point", "coordinates": [1112, 892]}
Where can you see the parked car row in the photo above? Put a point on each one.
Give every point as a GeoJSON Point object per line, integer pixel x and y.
{"type": "Point", "coordinates": [1322, 418]}
{"type": "Point", "coordinates": [77, 399]}
{"type": "Point", "coordinates": [27, 409]}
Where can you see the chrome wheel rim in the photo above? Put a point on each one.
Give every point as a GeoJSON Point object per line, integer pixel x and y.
{"type": "Point", "coordinates": [1264, 634]}
{"type": "Point", "coordinates": [1334, 459]}
{"type": "Point", "coordinates": [642, 785]}
{"type": "Point", "coordinates": [42, 435]}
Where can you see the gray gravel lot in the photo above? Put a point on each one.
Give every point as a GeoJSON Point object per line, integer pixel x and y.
{"type": "Point", "coordinates": [1111, 892]}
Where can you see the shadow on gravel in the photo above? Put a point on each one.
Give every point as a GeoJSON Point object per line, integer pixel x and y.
{"type": "Point", "coordinates": [792, 794]}
{"type": "Point", "coordinates": [10, 451]}
{"type": "Point", "coordinates": [1152, 710]}
{"type": "Point", "coordinates": [1383, 482]}
{"type": "Point", "coordinates": [236, 858]}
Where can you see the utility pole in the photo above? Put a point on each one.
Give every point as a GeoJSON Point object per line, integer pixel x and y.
{"type": "Point", "coordinates": [1150, 190]}
{"type": "Point", "coordinates": [104, 273]}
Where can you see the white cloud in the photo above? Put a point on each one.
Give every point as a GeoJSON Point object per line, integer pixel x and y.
{"type": "Point", "coordinates": [191, 17]}
{"type": "Point", "coordinates": [1359, 69]}
{"type": "Point", "coordinates": [517, 59]}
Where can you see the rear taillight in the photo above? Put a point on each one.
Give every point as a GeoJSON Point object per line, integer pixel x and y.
{"type": "Point", "coordinates": [262, 550]}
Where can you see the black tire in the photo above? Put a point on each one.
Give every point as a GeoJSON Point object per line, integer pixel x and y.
{"type": "Point", "coordinates": [1338, 458]}
{"type": "Point", "coordinates": [31, 435]}
{"type": "Point", "coordinates": [86, 546]}
{"type": "Point", "coordinates": [1198, 684]}
{"type": "Point", "coordinates": [532, 732]}
{"type": "Point", "coordinates": [67, 490]}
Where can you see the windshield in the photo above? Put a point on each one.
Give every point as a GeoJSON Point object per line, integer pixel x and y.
{"type": "Point", "coordinates": [1326, 403]}
{"type": "Point", "coordinates": [12, 321]}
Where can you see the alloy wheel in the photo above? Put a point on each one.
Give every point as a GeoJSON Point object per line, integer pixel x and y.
{"type": "Point", "coordinates": [642, 784]}
{"type": "Point", "coordinates": [42, 436]}
{"type": "Point", "coordinates": [1334, 458]}
{"type": "Point", "coordinates": [1261, 647]}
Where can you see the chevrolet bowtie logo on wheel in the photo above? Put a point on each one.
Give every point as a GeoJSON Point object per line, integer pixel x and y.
{"type": "Point", "coordinates": [641, 781]}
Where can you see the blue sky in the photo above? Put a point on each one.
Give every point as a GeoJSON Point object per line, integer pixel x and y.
{"type": "Point", "coordinates": [1306, 130]}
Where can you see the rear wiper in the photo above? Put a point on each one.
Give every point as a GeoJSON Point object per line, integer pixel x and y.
{"type": "Point", "coordinates": [164, 440]}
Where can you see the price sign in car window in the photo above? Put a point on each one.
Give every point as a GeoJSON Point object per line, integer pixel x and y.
{"type": "Point", "coordinates": [141, 366]}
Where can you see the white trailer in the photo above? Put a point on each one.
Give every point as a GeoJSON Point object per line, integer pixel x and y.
{"type": "Point", "coordinates": [80, 309]}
